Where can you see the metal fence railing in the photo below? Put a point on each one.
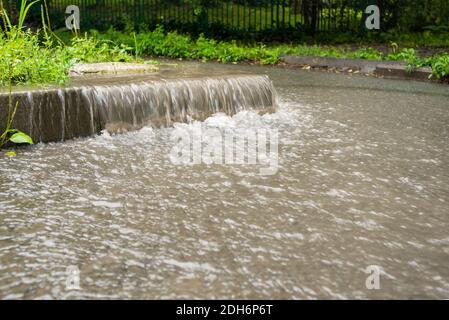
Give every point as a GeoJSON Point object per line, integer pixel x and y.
{"type": "Point", "coordinates": [238, 15]}
{"type": "Point", "coordinates": [254, 16]}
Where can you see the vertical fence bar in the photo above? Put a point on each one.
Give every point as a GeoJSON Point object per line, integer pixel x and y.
{"type": "Point", "coordinates": [227, 14]}
{"type": "Point", "coordinates": [348, 9]}
{"type": "Point", "coordinates": [166, 12]}
{"type": "Point", "coordinates": [158, 11]}
{"type": "Point", "coordinates": [217, 12]}
{"type": "Point", "coordinates": [238, 16]}
{"type": "Point", "coordinates": [139, 13]}
{"type": "Point", "coordinates": [185, 12]}
{"type": "Point", "coordinates": [233, 15]}
{"type": "Point", "coordinates": [247, 14]}
{"type": "Point", "coordinates": [169, 11]}
{"type": "Point", "coordinates": [151, 12]}
{"type": "Point", "coordinates": [283, 15]}
{"type": "Point", "coordinates": [250, 14]}
{"type": "Point", "coordinates": [87, 14]}
{"type": "Point", "coordinates": [255, 17]}
{"type": "Point", "coordinates": [178, 5]}
{"type": "Point", "coordinates": [161, 13]}
{"type": "Point", "coordinates": [244, 15]}
{"type": "Point", "coordinates": [174, 17]}
{"type": "Point", "coordinates": [295, 12]}
{"type": "Point", "coordinates": [143, 13]}
{"type": "Point", "coordinates": [148, 12]}
{"type": "Point", "coordinates": [290, 18]}
{"type": "Point", "coordinates": [320, 16]}
{"type": "Point", "coordinates": [266, 14]}
{"type": "Point", "coordinates": [189, 12]}
{"type": "Point", "coordinates": [222, 12]}
{"type": "Point", "coordinates": [277, 15]}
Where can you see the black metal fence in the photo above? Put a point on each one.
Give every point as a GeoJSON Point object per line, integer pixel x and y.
{"type": "Point", "coordinates": [252, 16]}
{"type": "Point", "coordinates": [255, 17]}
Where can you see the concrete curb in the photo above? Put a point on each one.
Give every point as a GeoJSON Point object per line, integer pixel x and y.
{"type": "Point", "coordinates": [113, 68]}
{"type": "Point", "coordinates": [384, 69]}
{"type": "Point", "coordinates": [400, 72]}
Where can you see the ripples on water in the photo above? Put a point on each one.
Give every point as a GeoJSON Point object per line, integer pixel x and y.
{"type": "Point", "coordinates": [359, 183]}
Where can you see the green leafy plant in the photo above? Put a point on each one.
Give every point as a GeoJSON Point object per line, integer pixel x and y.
{"type": "Point", "coordinates": [41, 57]}
{"type": "Point", "coordinates": [10, 134]}
{"type": "Point", "coordinates": [366, 53]}
{"type": "Point", "coordinates": [175, 45]}
{"type": "Point", "coordinates": [26, 59]}
{"type": "Point", "coordinates": [13, 34]}
{"type": "Point", "coordinates": [440, 66]}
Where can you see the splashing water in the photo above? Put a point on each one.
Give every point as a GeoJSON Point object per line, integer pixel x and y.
{"type": "Point", "coordinates": [128, 103]}
{"type": "Point", "coordinates": [362, 181]}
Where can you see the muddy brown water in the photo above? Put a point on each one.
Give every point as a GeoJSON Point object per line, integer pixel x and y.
{"type": "Point", "coordinates": [363, 180]}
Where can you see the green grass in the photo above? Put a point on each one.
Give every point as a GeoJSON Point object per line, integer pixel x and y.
{"type": "Point", "coordinates": [175, 45]}
{"type": "Point", "coordinates": [423, 39]}
{"type": "Point", "coordinates": [26, 59]}
{"type": "Point", "coordinates": [439, 62]}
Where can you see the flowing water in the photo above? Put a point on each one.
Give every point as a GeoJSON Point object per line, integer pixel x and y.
{"type": "Point", "coordinates": [362, 180]}
{"type": "Point", "coordinates": [129, 102]}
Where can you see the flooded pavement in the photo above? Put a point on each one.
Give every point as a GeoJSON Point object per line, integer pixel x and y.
{"type": "Point", "coordinates": [362, 181]}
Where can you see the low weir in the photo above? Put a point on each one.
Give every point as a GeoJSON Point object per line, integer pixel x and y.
{"type": "Point", "coordinates": [128, 102]}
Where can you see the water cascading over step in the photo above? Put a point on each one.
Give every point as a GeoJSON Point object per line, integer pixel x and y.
{"type": "Point", "coordinates": [127, 103]}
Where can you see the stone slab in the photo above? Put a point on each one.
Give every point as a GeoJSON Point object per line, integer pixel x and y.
{"type": "Point", "coordinates": [90, 69]}
{"type": "Point", "coordinates": [387, 69]}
